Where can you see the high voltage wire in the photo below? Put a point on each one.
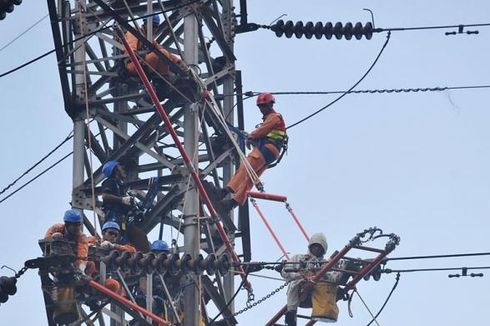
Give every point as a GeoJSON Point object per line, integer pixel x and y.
{"type": "Point", "coordinates": [84, 36]}
{"type": "Point", "coordinates": [24, 32]}
{"type": "Point", "coordinates": [349, 90]}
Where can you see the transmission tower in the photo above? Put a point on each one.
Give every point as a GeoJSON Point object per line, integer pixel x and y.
{"type": "Point", "coordinates": [114, 119]}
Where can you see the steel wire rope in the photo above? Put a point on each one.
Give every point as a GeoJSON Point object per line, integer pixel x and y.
{"type": "Point", "coordinates": [387, 299]}
{"type": "Point", "coordinates": [366, 306]}
{"type": "Point", "coordinates": [388, 270]}
{"type": "Point", "coordinates": [87, 124]}
{"type": "Point", "coordinates": [388, 36]}
{"type": "Point", "coordinates": [37, 163]}
{"type": "Point", "coordinates": [231, 299]}
{"type": "Point", "coordinates": [24, 32]}
{"type": "Point", "coordinates": [83, 36]}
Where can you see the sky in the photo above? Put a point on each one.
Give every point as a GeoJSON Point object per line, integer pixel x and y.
{"type": "Point", "coordinates": [415, 164]}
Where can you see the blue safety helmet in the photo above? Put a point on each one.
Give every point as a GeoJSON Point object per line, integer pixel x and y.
{"type": "Point", "coordinates": [109, 168]}
{"type": "Point", "coordinates": [72, 216]}
{"type": "Point", "coordinates": [159, 246]}
{"type": "Point", "coordinates": [155, 19]}
{"type": "Point", "coordinates": [110, 225]}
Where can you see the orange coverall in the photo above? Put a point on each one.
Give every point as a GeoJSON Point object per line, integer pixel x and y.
{"type": "Point", "coordinates": [151, 58]}
{"type": "Point", "coordinates": [240, 183]}
{"type": "Point", "coordinates": [80, 240]}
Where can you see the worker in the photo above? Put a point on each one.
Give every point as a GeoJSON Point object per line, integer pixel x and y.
{"type": "Point", "coordinates": [110, 237]}
{"type": "Point", "coordinates": [160, 246]}
{"type": "Point", "coordinates": [71, 231]}
{"type": "Point", "coordinates": [117, 205]}
{"type": "Point", "coordinates": [115, 202]}
{"type": "Point", "coordinates": [324, 292]}
{"type": "Point", "coordinates": [267, 139]}
{"type": "Point", "coordinates": [152, 59]}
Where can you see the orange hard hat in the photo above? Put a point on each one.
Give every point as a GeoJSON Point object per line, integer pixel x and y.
{"type": "Point", "coordinates": [265, 98]}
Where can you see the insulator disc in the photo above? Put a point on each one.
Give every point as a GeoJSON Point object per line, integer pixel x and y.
{"type": "Point", "coordinates": [357, 31]}
{"type": "Point", "coordinates": [278, 28]}
{"type": "Point", "coordinates": [298, 29]}
{"type": "Point", "coordinates": [308, 29]}
{"type": "Point", "coordinates": [337, 30]}
{"type": "Point", "coordinates": [318, 30]}
{"type": "Point", "coordinates": [347, 31]}
{"type": "Point", "coordinates": [288, 29]}
{"type": "Point", "coordinates": [368, 30]}
{"type": "Point", "coordinates": [328, 30]}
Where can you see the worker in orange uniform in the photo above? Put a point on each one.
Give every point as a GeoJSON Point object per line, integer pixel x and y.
{"type": "Point", "coordinates": [152, 59]}
{"type": "Point", "coordinates": [110, 236]}
{"type": "Point", "coordinates": [71, 231]}
{"type": "Point", "coordinates": [267, 139]}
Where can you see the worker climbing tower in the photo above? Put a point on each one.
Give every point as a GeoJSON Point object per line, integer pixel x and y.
{"type": "Point", "coordinates": [142, 117]}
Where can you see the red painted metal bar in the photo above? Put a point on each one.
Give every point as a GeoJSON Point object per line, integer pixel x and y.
{"type": "Point", "coordinates": [379, 251]}
{"type": "Point", "coordinates": [202, 192]}
{"type": "Point", "coordinates": [266, 196]}
{"type": "Point", "coordinates": [127, 302]}
{"type": "Point", "coordinates": [296, 220]}
{"type": "Point", "coordinates": [254, 203]}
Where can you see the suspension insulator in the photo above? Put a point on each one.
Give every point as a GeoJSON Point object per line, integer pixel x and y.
{"type": "Point", "coordinates": [147, 262]}
{"type": "Point", "coordinates": [197, 264]}
{"type": "Point", "coordinates": [368, 30]}
{"type": "Point", "coordinates": [308, 29]}
{"type": "Point", "coordinates": [347, 31]}
{"type": "Point", "coordinates": [186, 263]}
{"type": "Point", "coordinates": [133, 262]}
{"type": "Point", "coordinates": [209, 264]}
{"type": "Point", "coordinates": [357, 31]}
{"type": "Point", "coordinates": [298, 29]}
{"type": "Point", "coordinates": [288, 29]}
{"type": "Point", "coordinates": [337, 30]}
{"type": "Point", "coordinates": [224, 264]}
{"type": "Point", "coordinates": [318, 30]}
{"type": "Point", "coordinates": [328, 30]}
{"type": "Point", "coordinates": [122, 260]}
{"type": "Point", "coordinates": [278, 28]}
{"type": "Point", "coordinates": [172, 264]}
{"type": "Point", "coordinates": [159, 262]}
{"type": "Point", "coordinates": [110, 258]}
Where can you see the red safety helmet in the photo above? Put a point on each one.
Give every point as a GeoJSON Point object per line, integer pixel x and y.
{"type": "Point", "coordinates": [265, 98]}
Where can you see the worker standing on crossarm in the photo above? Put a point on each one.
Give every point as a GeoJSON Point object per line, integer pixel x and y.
{"type": "Point", "coordinates": [117, 205]}
{"type": "Point", "coordinates": [151, 58]}
{"type": "Point", "coordinates": [71, 231]}
{"type": "Point", "coordinates": [267, 139]}
{"type": "Point", "coordinates": [323, 294]}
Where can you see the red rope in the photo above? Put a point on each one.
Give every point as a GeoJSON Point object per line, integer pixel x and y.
{"type": "Point", "coordinates": [254, 203]}
{"type": "Point", "coordinates": [202, 192]}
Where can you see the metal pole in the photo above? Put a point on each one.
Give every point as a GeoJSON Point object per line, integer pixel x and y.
{"type": "Point", "coordinates": [191, 207]}
{"type": "Point", "coordinates": [228, 85]}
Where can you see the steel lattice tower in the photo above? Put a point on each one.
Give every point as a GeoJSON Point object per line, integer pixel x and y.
{"type": "Point", "coordinates": [114, 118]}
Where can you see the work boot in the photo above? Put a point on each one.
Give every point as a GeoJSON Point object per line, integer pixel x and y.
{"type": "Point", "coordinates": [290, 318]}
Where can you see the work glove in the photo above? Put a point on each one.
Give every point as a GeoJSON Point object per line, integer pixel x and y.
{"type": "Point", "coordinates": [82, 267]}
{"type": "Point", "coordinates": [106, 245]}
{"type": "Point", "coordinates": [128, 200]}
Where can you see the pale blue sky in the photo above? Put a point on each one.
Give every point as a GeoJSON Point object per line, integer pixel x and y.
{"type": "Point", "coordinates": [413, 164]}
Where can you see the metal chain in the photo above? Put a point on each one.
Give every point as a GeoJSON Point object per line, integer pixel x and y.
{"type": "Point", "coordinates": [21, 272]}
{"type": "Point", "coordinates": [251, 305]}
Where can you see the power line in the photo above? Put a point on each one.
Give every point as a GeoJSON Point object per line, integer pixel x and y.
{"type": "Point", "coordinates": [36, 164]}
{"type": "Point", "coordinates": [37, 176]}
{"type": "Point", "coordinates": [24, 32]}
{"type": "Point", "coordinates": [440, 256]}
{"type": "Point", "coordinates": [438, 269]}
{"type": "Point", "coordinates": [350, 89]}
{"type": "Point", "coordinates": [84, 36]}
{"type": "Point", "coordinates": [419, 28]}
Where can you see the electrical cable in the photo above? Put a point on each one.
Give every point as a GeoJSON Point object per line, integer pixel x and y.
{"type": "Point", "coordinates": [388, 271]}
{"type": "Point", "coordinates": [24, 32]}
{"type": "Point", "coordinates": [387, 299]}
{"type": "Point", "coordinates": [350, 89]}
{"type": "Point", "coordinates": [231, 300]}
{"type": "Point", "coordinates": [439, 256]}
{"type": "Point", "coordinates": [39, 162]}
{"type": "Point", "coordinates": [84, 36]}
{"type": "Point", "coordinates": [37, 176]}
{"type": "Point", "coordinates": [419, 28]}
